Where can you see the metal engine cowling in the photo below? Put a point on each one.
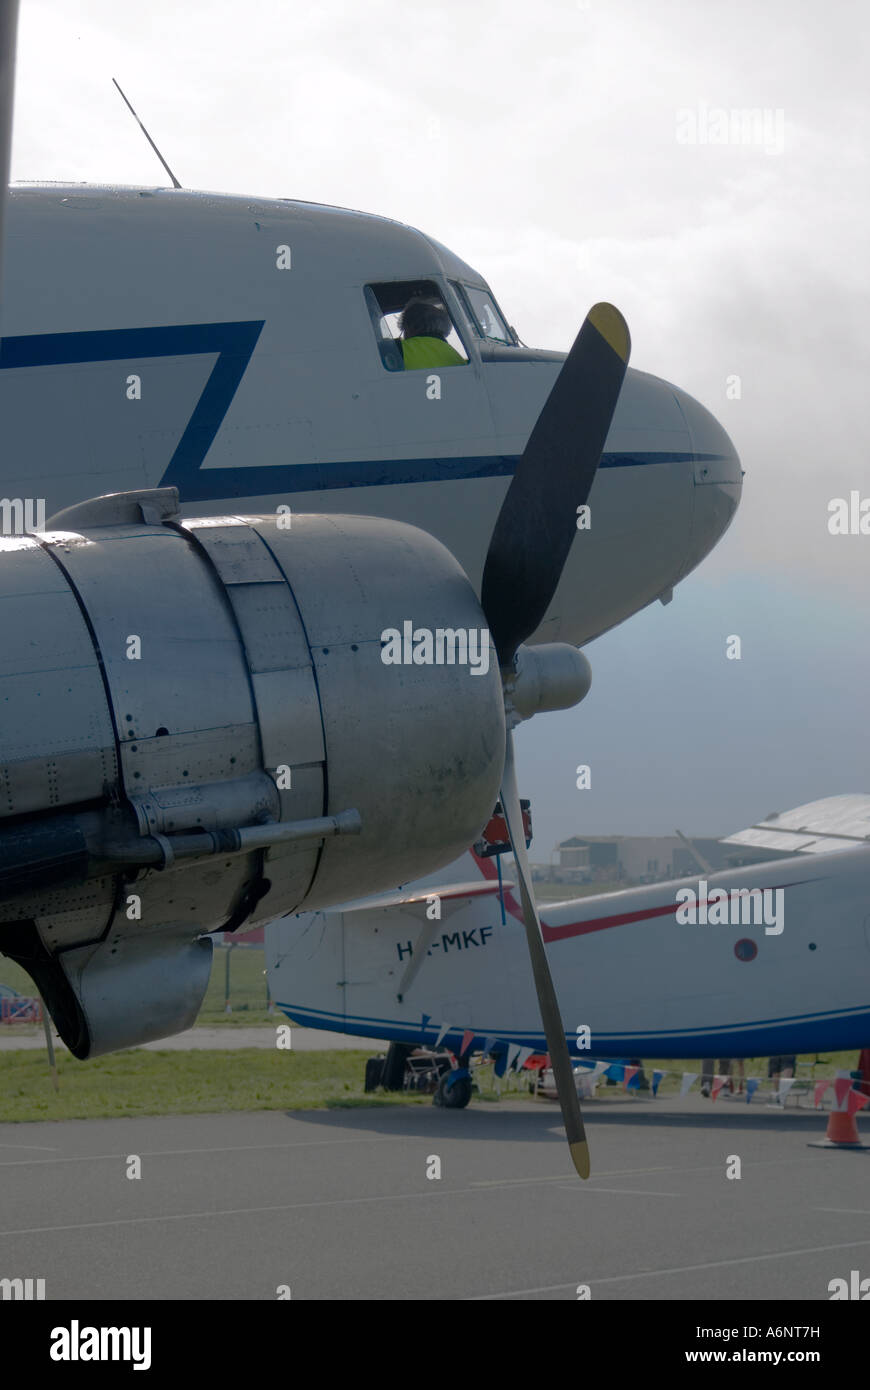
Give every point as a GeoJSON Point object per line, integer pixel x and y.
{"type": "Point", "coordinates": [181, 701]}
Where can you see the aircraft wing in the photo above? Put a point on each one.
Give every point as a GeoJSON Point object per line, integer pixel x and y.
{"type": "Point", "coordinates": [477, 889]}
{"type": "Point", "coordinates": [819, 827]}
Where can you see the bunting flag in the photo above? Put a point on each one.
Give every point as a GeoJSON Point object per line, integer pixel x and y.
{"type": "Point", "coordinates": [444, 1030]}
{"type": "Point", "coordinates": [856, 1100]}
{"type": "Point", "coordinates": [842, 1087]}
{"type": "Point", "coordinates": [511, 1056]}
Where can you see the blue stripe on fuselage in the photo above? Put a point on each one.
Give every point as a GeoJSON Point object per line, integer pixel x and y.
{"type": "Point", "coordinates": [234, 344]}
{"type": "Point", "coordinates": [197, 484]}
{"type": "Point", "coordinates": [835, 1031]}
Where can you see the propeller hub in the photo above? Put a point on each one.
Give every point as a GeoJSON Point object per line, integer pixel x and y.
{"type": "Point", "coordinates": [551, 676]}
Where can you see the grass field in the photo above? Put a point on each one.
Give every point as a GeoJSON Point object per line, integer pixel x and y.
{"type": "Point", "coordinates": [248, 996]}
{"type": "Point", "coordinates": [13, 975]}
{"type": "Point", "coordinates": [183, 1083]}
{"type": "Point", "coordinates": [171, 1083]}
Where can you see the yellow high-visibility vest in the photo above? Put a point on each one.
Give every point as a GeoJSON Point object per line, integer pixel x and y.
{"type": "Point", "coordinates": [430, 352]}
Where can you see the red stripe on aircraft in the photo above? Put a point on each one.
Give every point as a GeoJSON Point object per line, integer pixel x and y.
{"type": "Point", "coordinates": [618, 919]}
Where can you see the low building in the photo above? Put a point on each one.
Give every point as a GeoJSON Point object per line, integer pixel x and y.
{"type": "Point", "coordinates": [643, 858]}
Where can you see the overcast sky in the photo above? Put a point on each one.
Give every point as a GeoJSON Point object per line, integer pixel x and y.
{"type": "Point", "coordinates": [549, 145]}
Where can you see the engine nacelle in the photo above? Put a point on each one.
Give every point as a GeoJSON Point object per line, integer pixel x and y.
{"type": "Point", "coordinates": [197, 715]}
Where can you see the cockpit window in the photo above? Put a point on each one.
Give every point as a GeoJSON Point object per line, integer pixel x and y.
{"type": "Point", "coordinates": [487, 316]}
{"type": "Point", "coordinates": [427, 324]}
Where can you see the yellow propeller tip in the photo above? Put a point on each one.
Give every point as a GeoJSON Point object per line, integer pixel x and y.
{"type": "Point", "coordinates": [580, 1157]}
{"type": "Point", "coordinates": [612, 327]}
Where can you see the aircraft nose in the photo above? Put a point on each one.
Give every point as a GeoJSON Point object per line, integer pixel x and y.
{"type": "Point", "coordinates": [718, 478]}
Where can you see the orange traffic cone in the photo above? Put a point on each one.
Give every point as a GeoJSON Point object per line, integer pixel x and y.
{"type": "Point", "coordinates": [842, 1131]}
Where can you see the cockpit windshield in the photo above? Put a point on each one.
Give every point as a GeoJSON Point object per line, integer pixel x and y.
{"type": "Point", "coordinates": [487, 316]}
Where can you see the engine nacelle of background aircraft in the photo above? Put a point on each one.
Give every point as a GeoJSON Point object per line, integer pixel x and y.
{"type": "Point", "coordinates": [200, 732]}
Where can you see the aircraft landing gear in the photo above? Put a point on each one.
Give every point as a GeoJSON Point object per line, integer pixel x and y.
{"type": "Point", "coordinates": [393, 1074]}
{"type": "Point", "coordinates": [406, 1068]}
{"type": "Point", "coordinates": [454, 1089]}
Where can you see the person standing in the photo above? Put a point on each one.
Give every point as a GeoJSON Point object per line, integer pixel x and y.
{"type": "Point", "coordinates": [777, 1068]}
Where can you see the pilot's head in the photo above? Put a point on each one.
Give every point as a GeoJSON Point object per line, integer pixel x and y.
{"type": "Point", "coordinates": [425, 318]}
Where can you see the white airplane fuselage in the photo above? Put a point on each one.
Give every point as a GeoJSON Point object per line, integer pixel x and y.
{"type": "Point", "coordinates": [644, 982]}
{"type": "Point", "coordinates": [226, 346]}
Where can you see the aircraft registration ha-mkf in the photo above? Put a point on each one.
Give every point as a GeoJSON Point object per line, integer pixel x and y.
{"type": "Point", "coordinates": [199, 730]}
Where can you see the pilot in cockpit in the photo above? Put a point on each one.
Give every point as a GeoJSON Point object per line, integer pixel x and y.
{"type": "Point", "coordinates": [425, 326]}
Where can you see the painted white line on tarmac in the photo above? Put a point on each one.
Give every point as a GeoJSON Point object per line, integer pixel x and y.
{"type": "Point", "coordinates": [845, 1211]}
{"type": "Point", "coordinates": [42, 1148]}
{"type": "Point", "coordinates": [618, 1191]}
{"type": "Point", "coordinates": [172, 1153]}
{"type": "Point", "coordinates": [680, 1269]}
{"type": "Point", "coordinates": [640, 1172]}
{"type": "Point", "coordinates": [234, 1211]}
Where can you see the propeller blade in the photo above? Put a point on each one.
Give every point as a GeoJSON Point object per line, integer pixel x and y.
{"type": "Point", "coordinates": [538, 518]}
{"type": "Point", "coordinates": [547, 1002]}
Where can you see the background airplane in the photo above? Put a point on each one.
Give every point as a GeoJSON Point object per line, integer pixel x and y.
{"type": "Point", "coordinates": [623, 965]}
